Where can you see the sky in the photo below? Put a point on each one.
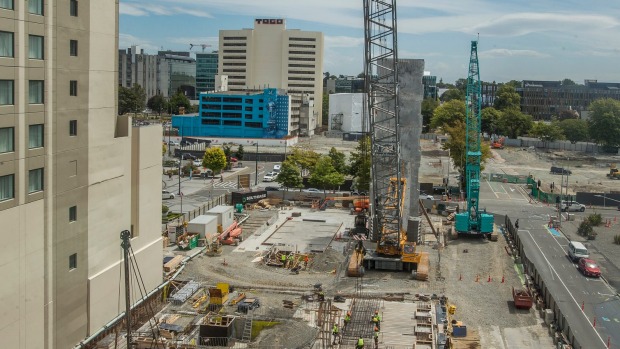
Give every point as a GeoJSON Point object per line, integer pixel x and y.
{"type": "Point", "coordinates": [518, 40]}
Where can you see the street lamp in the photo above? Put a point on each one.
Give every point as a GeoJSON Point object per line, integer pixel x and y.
{"type": "Point", "coordinates": [256, 164]}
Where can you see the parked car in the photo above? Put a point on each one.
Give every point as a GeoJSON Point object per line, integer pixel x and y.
{"type": "Point", "coordinates": [577, 251]}
{"type": "Point", "coordinates": [187, 156]}
{"type": "Point", "coordinates": [277, 167]}
{"type": "Point", "coordinates": [272, 188]}
{"type": "Point", "coordinates": [233, 159]}
{"type": "Point", "coordinates": [198, 162]}
{"type": "Point", "coordinates": [312, 190]}
{"type": "Point", "coordinates": [270, 177]}
{"type": "Point", "coordinates": [588, 267]}
{"type": "Point", "coordinates": [560, 170]}
{"type": "Point", "coordinates": [166, 195]}
{"type": "Point", "coordinates": [173, 143]}
{"type": "Point", "coordinates": [572, 206]}
{"type": "Point", "coordinates": [426, 197]}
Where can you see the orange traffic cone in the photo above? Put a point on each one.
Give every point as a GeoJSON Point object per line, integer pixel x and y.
{"type": "Point", "coordinates": [489, 279]}
{"type": "Point", "coordinates": [502, 279]}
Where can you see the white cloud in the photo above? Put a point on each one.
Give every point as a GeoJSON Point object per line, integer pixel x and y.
{"type": "Point", "coordinates": [163, 8]}
{"type": "Point", "coordinates": [343, 41]}
{"type": "Point", "coordinates": [131, 9]}
{"type": "Point", "coordinates": [504, 52]}
{"type": "Point", "coordinates": [127, 40]}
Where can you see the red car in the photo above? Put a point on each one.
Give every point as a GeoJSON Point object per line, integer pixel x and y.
{"type": "Point", "coordinates": [588, 267]}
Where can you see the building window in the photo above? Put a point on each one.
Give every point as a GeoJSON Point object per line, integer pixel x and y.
{"type": "Point", "coordinates": [35, 7]}
{"type": "Point", "coordinates": [73, 261]}
{"type": "Point", "coordinates": [35, 47]}
{"type": "Point", "coordinates": [6, 44]}
{"type": "Point", "coordinates": [35, 136]}
{"type": "Point", "coordinates": [6, 92]}
{"type": "Point", "coordinates": [73, 88]}
{"type": "Point", "coordinates": [35, 92]}
{"type": "Point", "coordinates": [73, 48]}
{"type": "Point", "coordinates": [7, 4]}
{"type": "Point", "coordinates": [73, 8]}
{"type": "Point", "coordinates": [7, 143]}
{"type": "Point", "coordinates": [73, 128]}
{"type": "Point", "coordinates": [35, 180]}
{"type": "Point", "coordinates": [7, 187]}
{"type": "Point", "coordinates": [72, 213]}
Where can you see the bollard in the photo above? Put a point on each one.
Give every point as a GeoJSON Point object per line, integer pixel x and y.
{"type": "Point", "coordinates": [583, 305]}
{"type": "Point", "coordinates": [594, 322]}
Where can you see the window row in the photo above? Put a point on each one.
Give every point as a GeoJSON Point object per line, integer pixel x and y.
{"type": "Point", "coordinates": [36, 46]}
{"type": "Point", "coordinates": [35, 91]}
{"type": "Point", "coordinates": [35, 7]}
{"type": "Point", "coordinates": [7, 184]}
{"type": "Point", "coordinates": [35, 136]}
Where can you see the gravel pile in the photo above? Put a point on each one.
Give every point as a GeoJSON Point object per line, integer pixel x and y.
{"type": "Point", "coordinates": [289, 334]}
{"type": "Point", "coordinates": [327, 261]}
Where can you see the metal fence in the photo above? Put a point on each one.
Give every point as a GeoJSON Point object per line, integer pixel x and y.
{"type": "Point", "coordinates": [188, 216]}
{"type": "Point", "coordinates": [506, 178]}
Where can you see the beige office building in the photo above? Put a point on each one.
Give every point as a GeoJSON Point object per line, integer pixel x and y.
{"type": "Point", "coordinates": [272, 56]}
{"type": "Point", "coordinates": [73, 174]}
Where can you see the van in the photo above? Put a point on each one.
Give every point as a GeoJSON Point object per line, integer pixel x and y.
{"type": "Point", "coordinates": [576, 251]}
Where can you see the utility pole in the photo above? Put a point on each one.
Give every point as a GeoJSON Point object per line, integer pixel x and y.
{"type": "Point", "coordinates": [125, 244]}
{"type": "Point", "coordinates": [256, 165]}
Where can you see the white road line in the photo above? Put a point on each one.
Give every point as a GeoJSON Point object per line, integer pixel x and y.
{"type": "Point", "coordinates": [489, 184]}
{"type": "Point", "coordinates": [565, 287]}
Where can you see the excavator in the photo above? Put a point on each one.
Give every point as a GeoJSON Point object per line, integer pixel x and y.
{"type": "Point", "coordinates": [498, 143]}
{"type": "Point", "coordinates": [613, 172]}
{"type": "Point", "coordinates": [384, 224]}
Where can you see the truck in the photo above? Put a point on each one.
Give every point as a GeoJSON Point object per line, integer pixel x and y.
{"type": "Point", "coordinates": [522, 297]}
{"type": "Point", "coordinates": [560, 170]}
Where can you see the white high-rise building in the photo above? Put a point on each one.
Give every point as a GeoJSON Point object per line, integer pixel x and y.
{"type": "Point", "coordinates": [73, 175]}
{"type": "Point", "coordinates": [272, 56]}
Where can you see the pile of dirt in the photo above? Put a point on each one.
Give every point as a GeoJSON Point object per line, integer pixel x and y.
{"type": "Point", "coordinates": [327, 261]}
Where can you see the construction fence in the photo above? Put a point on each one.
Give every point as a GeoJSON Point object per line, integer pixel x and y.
{"type": "Point", "coordinates": [542, 196]}
{"type": "Point", "coordinates": [188, 216]}
{"type": "Point", "coordinates": [506, 178]}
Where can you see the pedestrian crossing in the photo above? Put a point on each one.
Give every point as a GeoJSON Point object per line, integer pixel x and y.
{"type": "Point", "coordinates": [225, 184]}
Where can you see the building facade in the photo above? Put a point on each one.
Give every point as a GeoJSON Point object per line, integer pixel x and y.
{"type": "Point", "coordinates": [206, 70]}
{"type": "Point", "coordinates": [430, 86]}
{"type": "Point", "coordinates": [73, 174]}
{"type": "Point", "coordinates": [136, 67]}
{"type": "Point", "coordinates": [270, 56]}
{"type": "Point", "coordinates": [177, 73]}
{"type": "Point", "coordinates": [346, 112]}
{"type": "Point", "coordinates": [545, 99]}
{"type": "Point", "coordinates": [238, 114]}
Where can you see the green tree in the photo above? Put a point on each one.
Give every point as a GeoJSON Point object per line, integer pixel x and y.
{"type": "Point", "coordinates": [514, 83]}
{"type": "Point", "coordinates": [575, 130]}
{"type": "Point", "coordinates": [290, 176]}
{"type": "Point", "coordinates": [604, 123]}
{"type": "Point", "coordinates": [360, 165]}
{"type": "Point", "coordinates": [456, 145]}
{"type": "Point", "coordinates": [305, 159]}
{"type": "Point", "coordinates": [568, 82]}
{"type": "Point", "coordinates": [177, 101]}
{"type": "Point", "coordinates": [228, 153]}
{"type": "Point", "coordinates": [448, 114]}
{"type": "Point", "coordinates": [428, 107]}
{"type": "Point", "coordinates": [513, 123]}
{"type": "Point", "coordinates": [214, 159]}
{"type": "Point", "coordinates": [325, 175]}
{"type": "Point", "coordinates": [131, 100]}
{"type": "Point", "coordinates": [489, 118]}
{"type": "Point", "coordinates": [452, 94]}
{"type": "Point", "coordinates": [240, 152]}
{"type": "Point", "coordinates": [461, 85]}
{"type": "Point", "coordinates": [507, 98]}
{"type": "Point", "coordinates": [157, 104]}
{"type": "Point", "coordinates": [338, 160]}
{"type": "Point", "coordinates": [546, 132]}
{"type": "Point", "coordinates": [325, 111]}
{"type": "Point", "coordinates": [139, 98]}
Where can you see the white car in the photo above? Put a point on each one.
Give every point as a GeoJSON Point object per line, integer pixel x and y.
{"type": "Point", "coordinates": [573, 206]}
{"type": "Point", "coordinates": [166, 195]}
{"type": "Point", "coordinates": [426, 197]}
{"type": "Point", "coordinates": [198, 162]}
{"type": "Point", "coordinates": [312, 190]}
{"type": "Point", "coordinates": [270, 177]}
{"type": "Point", "coordinates": [277, 167]}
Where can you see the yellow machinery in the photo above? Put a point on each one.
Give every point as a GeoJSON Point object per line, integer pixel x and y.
{"type": "Point", "coordinates": [613, 172]}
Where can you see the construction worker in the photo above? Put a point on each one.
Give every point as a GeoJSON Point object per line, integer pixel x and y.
{"type": "Point", "coordinates": [321, 296]}
{"type": "Point", "coordinates": [376, 337]}
{"type": "Point", "coordinates": [360, 343]}
{"type": "Point", "coordinates": [306, 259]}
{"type": "Point", "coordinates": [336, 333]}
{"type": "Point", "coordinates": [283, 260]}
{"type": "Point", "coordinates": [347, 319]}
{"type": "Point", "coordinates": [376, 320]}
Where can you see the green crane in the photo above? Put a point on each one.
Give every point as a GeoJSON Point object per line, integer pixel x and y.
{"type": "Point", "coordinates": [473, 221]}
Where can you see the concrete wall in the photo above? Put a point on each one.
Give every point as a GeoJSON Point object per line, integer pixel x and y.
{"type": "Point", "coordinates": [351, 105]}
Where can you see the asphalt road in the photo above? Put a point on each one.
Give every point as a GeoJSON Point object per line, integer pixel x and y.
{"type": "Point", "coordinates": [547, 250]}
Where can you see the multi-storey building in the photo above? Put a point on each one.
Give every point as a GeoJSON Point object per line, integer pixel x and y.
{"type": "Point", "coordinates": [430, 85]}
{"type": "Point", "coordinates": [206, 70]}
{"type": "Point", "coordinates": [253, 114]}
{"type": "Point", "coordinates": [270, 56]}
{"type": "Point", "coordinates": [545, 99]}
{"type": "Point", "coordinates": [136, 67]}
{"type": "Point", "coordinates": [73, 174]}
{"type": "Point", "coordinates": [177, 73]}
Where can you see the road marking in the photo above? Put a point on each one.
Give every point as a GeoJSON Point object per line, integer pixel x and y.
{"type": "Point", "coordinates": [489, 184]}
{"type": "Point", "coordinates": [565, 287]}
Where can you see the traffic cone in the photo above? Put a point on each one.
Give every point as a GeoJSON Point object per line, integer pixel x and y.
{"type": "Point", "coordinates": [489, 279]}
{"type": "Point", "coordinates": [502, 279]}
{"type": "Point", "coordinates": [477, 277]}
{"type": "Point", "coordinates": [583, 305]}
{"type": "Point", "coordinates": [594, 322]}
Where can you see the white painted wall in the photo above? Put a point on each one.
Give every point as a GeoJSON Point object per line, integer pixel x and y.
{"type": "Point", "coordinates": [351, 105]}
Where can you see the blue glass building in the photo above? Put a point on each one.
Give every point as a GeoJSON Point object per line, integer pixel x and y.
{"type": "Point", "coordinates": [238, 114]}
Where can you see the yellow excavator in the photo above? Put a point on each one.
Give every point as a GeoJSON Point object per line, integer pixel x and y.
{"type": "Point", "coordinates": [613, 172]}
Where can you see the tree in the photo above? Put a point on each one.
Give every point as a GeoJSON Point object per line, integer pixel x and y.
{"type": "Point", "coordinates": [461, 84]}
{"type": "Point", "coordinates": [428, 107]}
{"type": "Point", "coordinates": [456, 145]}
{"type": "Point", "coordinates": [325, 175]}
{"type": "Point", "coordinates": [131, 100]}
{"type": "Point", "coordinates": [507, 98]}
{"type": "Point", "coordinates": [574, 130]}
{"type": "Point", "coordinates": [567, 114]}
{"type": "Point", "coordinates": [452, 94]}
{"type": "Point", "coordinates": [139, 98]}
{"type": "Point", "coordinates": [177, 101]}
{"type": "Point", "coordinates": [157, 104]}
{"type": "Point", "coordinates": [305, 159]}
{"type": "Point", "coordinates": [240, 152]}
{"type": "Point", "coordinates": [325, 111]}
{"type": "Point", "coordinates": [448, 114]}
{"type": "Point", "coordinates": [489, 118]}
{"type": "Point", "coordinates": [214, 159]}
{"type": "Point", "coordinates": [338, 160]}
{"type": "Point", "coordinates": [514, 83]}
{"type": "Point", "coordinates": [360, 165]}
{"type": "Point", "coordinates": [604, 123]}
{"type": "Point", "coordinates": [513, 123]}
{"type": "Point", "coordinates": [568, 82]}
{"type": "Point", "coordinates": [546, 132]}
{"type": "Point", "coordinates": [289, 176]}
